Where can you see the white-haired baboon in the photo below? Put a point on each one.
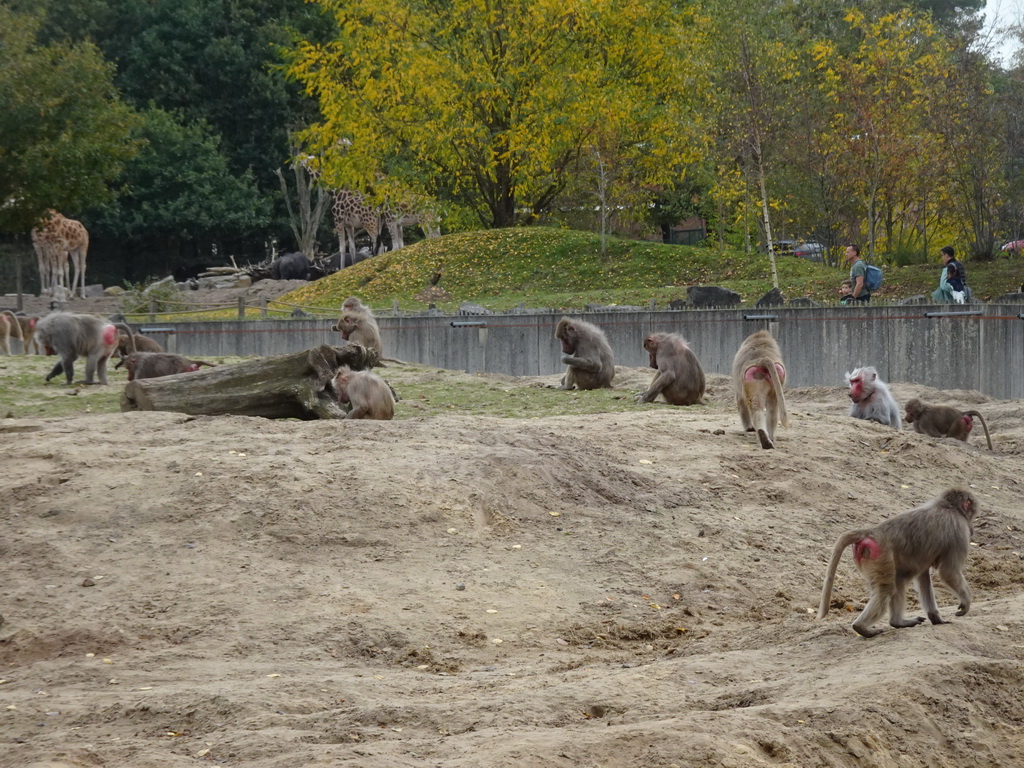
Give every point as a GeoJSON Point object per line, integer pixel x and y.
{"type": "Point", "coordinates": [944, 421]}
{"type": "Point", "coordinates": [71, 336]}
{"type": "Point", "coordinates": [366, 394]}
{"type": "Point", "coordinates": [758, 376]}
{"type": "Point", "coordinates": [152, 365]}
{"type": "Point", "coordinates": [872, 399]}
{"type": "Point", "coordinates": [587, 353]}
{"type": "Point", "coordinates": [905, 548]}
{"type": "Point", "coordinates": [680, 378]}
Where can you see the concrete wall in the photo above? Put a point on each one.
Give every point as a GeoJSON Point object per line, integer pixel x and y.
{"type": "Point", "coordinates": [964, 351]}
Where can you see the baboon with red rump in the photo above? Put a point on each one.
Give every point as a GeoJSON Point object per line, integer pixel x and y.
{"type": "Point", "coordinates": [72, 336]}
{"type": "Point", "coordinates": [905, 548]}
{"type": "Point", "coordinates": [587, 353]}
{"type": "Point", "coordinates": [27, 323]}
{"type": "Point", "coordinates": [366, 394]}
{"type": "Point", "coordinates": [944, 421]}
{"type": "Point", "coordinates": [680, 377]}
{"type": "Point", "coordinates": [153, 365]}
{"type": "Point", "coordinates": [758, 376]}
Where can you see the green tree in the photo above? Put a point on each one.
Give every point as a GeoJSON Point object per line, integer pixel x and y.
{"type": "Point", "coordinates": [499, 101]}
{"type": "Point", "coordinates": [64, 132]}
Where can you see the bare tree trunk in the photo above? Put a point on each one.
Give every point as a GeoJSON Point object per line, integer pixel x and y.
{"type": "Point", "coordinates": [306, 223]}
{"type": "Point", "coordinates": [282, 387]}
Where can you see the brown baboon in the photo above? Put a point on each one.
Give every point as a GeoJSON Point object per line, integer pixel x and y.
{"type": "Point", "coordinates": [361, 327]}
{"type": "Point", "coordinates": [587, 353]}
{"type": "Point", "coordinates": [367, 395]}
{"type": "Point", "coordinates": [142, 344]}
{"type": "Point", "coordinates": [28, 333]}
{"type": "Point", "coordinates": [871, 398]}
{"type": "Point", "coordinates": [152, 365]}
{"type": "Point", "coordinates": [944, 421]}
{"type": "Point", "coordinates": [904, 548]}
{"type": "Point", "coordinates": [72, 336]}
{"type": "Point", "coordinates": [9, 326]}
{"type": "Point", "coordinates": [680, 378]}
{"type": "Point", "coordinates": [758, 376]}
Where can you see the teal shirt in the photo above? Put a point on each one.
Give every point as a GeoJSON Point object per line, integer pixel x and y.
{"type": "Point", "coordinates": [860, 269]}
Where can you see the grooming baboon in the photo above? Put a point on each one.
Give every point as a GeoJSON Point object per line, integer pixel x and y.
{"type": "Point", "coordinates": [944, 421]}
{"type": "Point", "coordinates": [905, 548]}
{"type": "Point", "coordinates": [871, 398]}
{"type": "Point", "coordinates": [142, 344]}
{"type": "Point", "coordinates": [152, 365]}
{"type": "Point", "coordinates": [758, 376]}
{"type": "Point", "coordinates": [680, 378]}
{"type": "Point", "coordinates": [587, 353]}
{"type": "Point", "coordinates": [367, 395]}
{"type": "Point", "coordinates": [72, 336]}
{"type": "Point", "coordinates": [9, 326]}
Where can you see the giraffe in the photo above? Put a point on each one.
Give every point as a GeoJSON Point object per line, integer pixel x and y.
{"type": "Point", "coordinates": [396, 216]}
{"type": "Point", "coordinates": [351, 212]}
{"type": "Point", "coordinates": [54, 239]}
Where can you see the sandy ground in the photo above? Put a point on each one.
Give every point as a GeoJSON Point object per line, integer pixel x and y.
{"type": "Point", "coordinates": [462, 591]}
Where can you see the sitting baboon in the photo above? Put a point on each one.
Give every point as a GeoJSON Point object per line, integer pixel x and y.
{"type": "Point", "coordinates": [366, 394]}
{"type": "Point", "coordinates": [680, 378]}
{"type": "Point", "coordinates": [587, 353]}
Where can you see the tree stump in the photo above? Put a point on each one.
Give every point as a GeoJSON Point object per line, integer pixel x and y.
{"type": "Point", "coordinates": [282, 387]}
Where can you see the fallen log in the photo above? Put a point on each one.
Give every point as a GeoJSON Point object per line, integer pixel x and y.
{"type": "Point", "coordinates": [291, 386]}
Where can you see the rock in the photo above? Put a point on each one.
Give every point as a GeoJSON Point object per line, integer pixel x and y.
{"type": "Point", "coordinates": [678, 304]}
{"type": "Point", "coordinates": [711, 296]}
{"type": "Point", "coordinates": [113, 290]}
{"type": "Point", "coordinates": [468, 308]}
{"type": "Point", "coordinates": [773, 298]}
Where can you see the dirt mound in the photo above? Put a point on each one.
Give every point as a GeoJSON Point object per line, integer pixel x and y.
{"type": "Point", "coordinates": [613, 589]}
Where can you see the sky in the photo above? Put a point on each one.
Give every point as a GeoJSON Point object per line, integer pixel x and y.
{"type": "Point", "coordinates": [1000, 13]}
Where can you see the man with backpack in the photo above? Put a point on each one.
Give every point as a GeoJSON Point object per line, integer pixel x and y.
{"type": "Point", "coordinates": [858, 277]}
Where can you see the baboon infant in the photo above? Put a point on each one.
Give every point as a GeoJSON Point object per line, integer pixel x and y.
{"type": "Point", "coordinates": [680, 378]}
{"type": "Point", "coordinates": [905, 548]}
{"type": "Point", "coordinates": [587, 353]}
{"type": "Point", "coordinates": [944, 421]}
{"type": "Point", "coordinates": [758, 376]}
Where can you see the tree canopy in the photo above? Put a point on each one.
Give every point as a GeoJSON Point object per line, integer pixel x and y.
{"type": "Point", "coordinates": [65, 131]}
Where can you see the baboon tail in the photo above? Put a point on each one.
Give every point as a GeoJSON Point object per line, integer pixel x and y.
{"type": "Point", "coordinates": [16, 328]}
{"type": "Point", "coordinates": [845, 540]}
{"type": "Point", "coordinates": [983, 426]}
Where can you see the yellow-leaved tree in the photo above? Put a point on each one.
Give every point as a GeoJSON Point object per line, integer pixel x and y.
{"type": "Point", "coordinates": [493, 103]}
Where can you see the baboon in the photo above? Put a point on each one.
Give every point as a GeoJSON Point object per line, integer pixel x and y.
{"type": "Point", "coordinates": [367, 395]}
{"type": "Point", "coordinates": [28, 332]}
{"type": "Point", "coordinates": [944, 421]}
{"type": "Point", "coordinates": [758, 376]}
{"type": "Point", "coordinates": [142, 344]}
{"type": "Point", "coordinates": [587, 353]}
{"type": "Point", "coordinates": [9, 326]}
{"type": "Point", "coordinates": [359, 327]}
{"type": "Point", "coordinates": [72, 336]}
{"type": "Point", "coordinates": [152, 365]}
{"type": "Point", "coordinates": [680, 378]}
{"type": "Point", "coordinates": [904, 548]}
{"type": "Point", "coordinates": [871, 398]}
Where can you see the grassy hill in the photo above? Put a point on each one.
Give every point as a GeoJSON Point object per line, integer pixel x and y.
{"type": "Point", "coordinates": [564, 269]}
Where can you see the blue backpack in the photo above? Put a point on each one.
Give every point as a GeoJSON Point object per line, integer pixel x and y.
{"type": "Point", "coordinates": [873, 278]}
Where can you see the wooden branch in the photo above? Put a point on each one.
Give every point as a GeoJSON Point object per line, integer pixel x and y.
{"type": "Point", "coordinates": [291, 386]}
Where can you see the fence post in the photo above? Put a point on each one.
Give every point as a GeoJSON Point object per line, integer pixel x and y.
{"type": "Point", "coordinates": [152, 310]}
{"type": "Point", "coordinates": [263, 308]}
{"type": "Point", "coordinates": [241, 307]}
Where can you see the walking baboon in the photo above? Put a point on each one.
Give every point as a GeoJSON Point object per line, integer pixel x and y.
{"type": "Point", "coordinates": [367, 394]}
{"type": "Point", "coordinates": [680, 378]}
{"type": "Point", "coordinates": [944, 421]}
{"type": "Point", "coordinates": [72, 336]}
{"type": "Point", "coordinates": [152, 365]}
{"type": "Point", "coordinates": [9, 326]}
{"type": "Point", "coordinates": [758, 376]}
{"type": "Point", "coordinates": [27, 324]}
{"type": "Point", "coordinates": [871, 398]}
{"type": "Point", "coordinates": [904, 548]}
{"type": "Point", "coordinates": [587, 353]}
